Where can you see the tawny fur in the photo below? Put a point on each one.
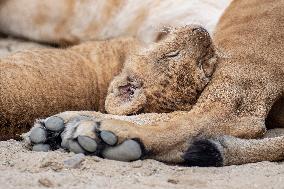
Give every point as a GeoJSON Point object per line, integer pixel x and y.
{"type": "Point", "coordinates": [247, 83]}
{"type": "Point", "coordinates": [39, 83]}
{"type": "Point", "coordinates": [166, 76]}
{"type": "Point", "coordinates": [73, 21]}
{"type": "Point", "coordinates": [45, 82]}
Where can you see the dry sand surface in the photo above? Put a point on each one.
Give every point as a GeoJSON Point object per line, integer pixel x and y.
{"type": "Point", "coordinates": [21, 168]}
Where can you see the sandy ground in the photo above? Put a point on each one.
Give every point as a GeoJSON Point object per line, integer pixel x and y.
{"type": "Point", "coordinates": [21, 168]}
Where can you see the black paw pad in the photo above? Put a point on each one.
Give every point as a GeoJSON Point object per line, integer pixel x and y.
{"type": "Point", "coordinates": [203, 153]}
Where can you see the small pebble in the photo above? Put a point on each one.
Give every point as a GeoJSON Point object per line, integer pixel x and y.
{"type": "Point", "coordinates": [108, 137]}
{"type": "Point", "coordinates": [179, 169]}
{"type": "Point", "coordinates": [75, 161]}
{"type": "Point", "coordinates": [96, 159]}
{"type": "Point", "coordinates": [137, 164]}
{"type": "Point", "coordinates": [38, 135]}
{"type": "Point", "coordinates": [173, 181]}
{"type": "Point", "coordinates": [46, 182]}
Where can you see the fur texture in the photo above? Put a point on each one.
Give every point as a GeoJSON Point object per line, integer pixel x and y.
{"type": "Point", "coordinates": [39, 83]}
{"type": "Point", "coordinates": [232, 89]}
{"type": "Point", "coordinates": [73, 21]}
{"type": "Point", "coordinates": [245, 85]}
{"type": "Point", "coordinates": [45, 82]}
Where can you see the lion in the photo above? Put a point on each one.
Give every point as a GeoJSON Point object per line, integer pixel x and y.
{"type": "Point", "coordinates": [41, 82]}
{"type": "Point", "coordinates": [231, 88]}
{"type": "Point", "coordinates": [69, 22]}
{"type": "Point", "coordinates": [38, 89]}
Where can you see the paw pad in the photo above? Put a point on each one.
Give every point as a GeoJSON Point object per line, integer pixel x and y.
{"type": "Point", "coordinates": [82, 135]}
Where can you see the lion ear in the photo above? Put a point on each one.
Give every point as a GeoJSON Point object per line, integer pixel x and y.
{"type": "Point", "coordinates": [125, 96]}
{"type": "Point", "coordinates": [204, 49]}
{"type": "Point", "coordinates": [209, 65]}
{"type": "Point", "coordinates": [163, 33]}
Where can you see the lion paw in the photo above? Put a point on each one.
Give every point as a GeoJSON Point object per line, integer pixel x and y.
{"type": "Point", "coordinates": [83, 134]}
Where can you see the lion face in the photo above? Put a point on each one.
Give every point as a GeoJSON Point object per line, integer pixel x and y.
{"type": "Point", "coordinates": [166, 76]}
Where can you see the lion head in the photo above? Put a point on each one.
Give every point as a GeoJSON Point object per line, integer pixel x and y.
{"type": "Point", "coordinates": [166, 76]}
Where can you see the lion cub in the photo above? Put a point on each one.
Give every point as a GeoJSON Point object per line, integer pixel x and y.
{"type": "Point", "coordinates": [229, 93]}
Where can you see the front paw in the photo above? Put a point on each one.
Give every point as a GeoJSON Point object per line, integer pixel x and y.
{"type": "Point", "coordinates": [84, 134]}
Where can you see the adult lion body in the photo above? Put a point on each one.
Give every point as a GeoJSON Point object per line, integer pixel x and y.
{"type": "Point", "coordinates": [246, 84]}
{"type": "Point", "coordinates": [73, 21]}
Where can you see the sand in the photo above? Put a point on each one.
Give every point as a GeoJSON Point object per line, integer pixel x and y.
{"type": "Point", "coordinates": [21, 168]}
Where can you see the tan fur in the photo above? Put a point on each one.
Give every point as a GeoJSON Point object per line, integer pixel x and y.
{"type": "Point", "coordinates": [73, 21]}
{"type": "Point", "coordinates": [167, 76]}
{"type": "Point", "coordinates": [39, 83]}
{"type": "Point", "coordinates": [247, 82]}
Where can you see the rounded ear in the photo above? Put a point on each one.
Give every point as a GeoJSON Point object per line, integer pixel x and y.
{"type": "Point", "coordinates": [125, 97]}
{"type": "Point", "coordinates": [209, 65]}
{"type": "Point", "coordinates": [209, 59]}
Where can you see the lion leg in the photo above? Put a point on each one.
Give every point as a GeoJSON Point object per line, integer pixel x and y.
{"type": "Point", "coordinates": [238, 141]}
{"type": "Point", "coordinates": [126, 141]}
{"type": "Point", "coordinates": [88, 132]}
{"type": "Point", "coordinates": [249, 142]}
{"type": "Point", "coordinates": [229, 150]}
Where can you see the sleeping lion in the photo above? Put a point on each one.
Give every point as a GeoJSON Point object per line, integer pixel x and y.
{"type": "Point", "coordinates": [217, 96]}
{"type": "Point", "coordinates": [38, 88]}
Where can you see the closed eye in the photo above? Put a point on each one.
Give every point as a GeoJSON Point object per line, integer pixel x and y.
{"type": "Point", "coordinates": [172, 54]}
